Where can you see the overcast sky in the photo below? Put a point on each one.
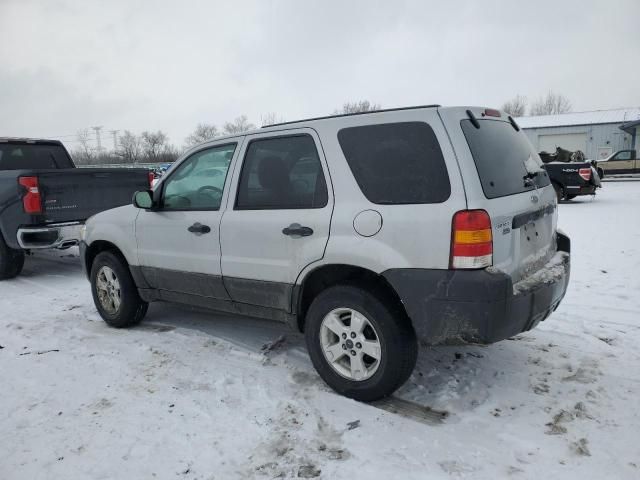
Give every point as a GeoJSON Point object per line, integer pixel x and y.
{"type": "Point", "coordinates": [148, 65]}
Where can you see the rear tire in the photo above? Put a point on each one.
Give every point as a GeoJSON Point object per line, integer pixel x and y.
{"type": "Point", "coordinates": [387, 333]}
{"type": "Point", "coordinates": [11, 261]}
{"type": "Point", "coordinates": [114, 292]}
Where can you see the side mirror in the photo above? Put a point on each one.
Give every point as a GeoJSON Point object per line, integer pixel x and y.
{"type": "Point", "coordinates": [143, 199]}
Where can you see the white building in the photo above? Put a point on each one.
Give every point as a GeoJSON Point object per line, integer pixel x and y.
{"type": "Point", "coordinates": [597, 134]}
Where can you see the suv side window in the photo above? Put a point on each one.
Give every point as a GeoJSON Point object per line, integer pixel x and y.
{"type": "Point", "coordinates": [396, 163]}
{"type": "Point", "coordinates": [198, 183]}
{"type": "Point", "coordinates": [282, 173]}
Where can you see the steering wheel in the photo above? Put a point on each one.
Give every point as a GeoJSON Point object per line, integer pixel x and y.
{"type": "Point", "coordinates": [216, 190]}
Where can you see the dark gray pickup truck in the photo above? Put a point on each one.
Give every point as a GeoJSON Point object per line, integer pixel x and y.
{"type": "Point", "coordinates": [45, 199]}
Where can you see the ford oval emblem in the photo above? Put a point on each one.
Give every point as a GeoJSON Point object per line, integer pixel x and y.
{"type": "Point", "coordinates": [534, 199]}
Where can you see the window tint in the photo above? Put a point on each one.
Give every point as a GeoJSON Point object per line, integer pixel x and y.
{"type": "Point", "coordinates": [396, 163]}
{"type": "Point", "coordinates": [282, 173]}
{"type": "Point", "coordinates": [198, 182]}
{"type": "Point", "coordinates": [504, 158]}
{"type": "Point", "coordinates": [16, 157]}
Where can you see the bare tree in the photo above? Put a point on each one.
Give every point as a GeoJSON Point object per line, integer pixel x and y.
{"type": "Point", "coordinates": [84, 153]}
{"type": "Point", "coordinates": [357, 107]}
{"type": "Point", "coordinates": [153, 144]}
{"type": "Point", "coordinates": [551, 104]}
{"type": "Point", "coordinates": [516, 107]}
{"type": "Point", "coordinates": [239, 125]}
{"type": "Point", "coordinates": [129, 147]}
{"type": "Point", "coordinates": [202, 133]}
{"type": "Point", "coordinates": [270, 118]}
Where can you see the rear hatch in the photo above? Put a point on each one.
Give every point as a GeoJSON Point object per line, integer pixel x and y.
{"type": "Point", "coordinates": [504, 175]}
{"type": "Point", "coordinates": [77, 194]}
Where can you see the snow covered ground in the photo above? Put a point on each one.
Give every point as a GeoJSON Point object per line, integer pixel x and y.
{"type": "Point", "coordinates": [196, 395]}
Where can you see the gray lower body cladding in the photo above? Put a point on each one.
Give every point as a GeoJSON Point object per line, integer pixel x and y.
{"type": "Point", "coordinates": [477, 306]}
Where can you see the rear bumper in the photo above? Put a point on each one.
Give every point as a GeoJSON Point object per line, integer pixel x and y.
{"type": "Point", "coordinates": [61, 235]}
{"type": "Point", "coordinates": [480, 306]}
{"type": "Point", "coordinates": [580, 189]}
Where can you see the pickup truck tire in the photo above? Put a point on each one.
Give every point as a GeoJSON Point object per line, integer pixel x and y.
{"type": "Point", "coordinates": [11, 261]}
{"type": "Point", "coordinates": [346, 323]}
{"type": "Point", "coordinates": [114, 292]}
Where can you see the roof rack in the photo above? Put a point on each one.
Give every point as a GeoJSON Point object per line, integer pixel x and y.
{"type": "Point", "coordinates": [352, 114]}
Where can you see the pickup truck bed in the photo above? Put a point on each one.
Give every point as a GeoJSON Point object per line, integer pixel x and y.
{"type": "Point", "coordinates": [44, 199]}
{"type": "Point", "coordinates": [571, 179]}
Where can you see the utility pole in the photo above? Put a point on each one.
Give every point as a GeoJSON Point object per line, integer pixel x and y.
{"type": "Point", "coordinates": [98, 142]}
{"type": "Point", "coordinates": [115, 139]}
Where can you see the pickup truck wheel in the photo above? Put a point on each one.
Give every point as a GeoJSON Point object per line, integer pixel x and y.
{"type": "Point", "coordinates": [362, 347]}
{"type": "Point", "coordinates": [114, 292]}
{"type": "Point", "coordinates": [11, 261]}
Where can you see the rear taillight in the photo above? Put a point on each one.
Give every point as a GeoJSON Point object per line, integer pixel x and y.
{"type": "Point", "coordinates": [151, 178]}
{"type": "Point", "coordinates": [471, 240]}
{"type": "Point", "coordinates": [585, 173]}
{"type": "Point", "coordinates": [32, 200]}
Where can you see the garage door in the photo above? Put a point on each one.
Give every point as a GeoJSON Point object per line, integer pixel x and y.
{"type": "Point", "coordinates": [568, 141]}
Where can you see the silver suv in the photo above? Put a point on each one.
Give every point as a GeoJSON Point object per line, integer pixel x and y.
{"type": "Point", "coordinates": [370, 233]}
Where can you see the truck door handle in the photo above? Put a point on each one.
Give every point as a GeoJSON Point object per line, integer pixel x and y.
{"type": "Point", "coordinates": [199, 229]}
{"type": "Point", "coordinates": [295, 229]}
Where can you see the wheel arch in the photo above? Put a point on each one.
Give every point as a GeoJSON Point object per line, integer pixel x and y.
{"type": "Point", "coordinates": [328, 275]}
{"type": "Point", "coordinates": [98, 247]}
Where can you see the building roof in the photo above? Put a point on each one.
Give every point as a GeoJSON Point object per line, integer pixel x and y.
{"type": "Point", "coordinates": [630, 126]}
{"type": "Point", "coordinates": [619, 115]}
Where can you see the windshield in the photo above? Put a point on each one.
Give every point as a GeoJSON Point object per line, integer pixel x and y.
{"type": "Point", "coordinates": [504, 158]}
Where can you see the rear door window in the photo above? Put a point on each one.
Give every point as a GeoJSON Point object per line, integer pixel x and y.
{"type": "Point", "coordinates": [505, 161]}
{"type": "Point", "coordinates": [282, 173]}
{"type": "Point", "coordinates": [396, 163]}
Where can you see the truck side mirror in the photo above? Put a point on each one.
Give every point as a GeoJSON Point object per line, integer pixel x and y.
{"type": "Point", "coordinates": [143, 199]}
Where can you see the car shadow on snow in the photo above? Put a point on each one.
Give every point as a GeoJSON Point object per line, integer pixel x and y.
{"type": "Point", "coordinates": [447, 379]}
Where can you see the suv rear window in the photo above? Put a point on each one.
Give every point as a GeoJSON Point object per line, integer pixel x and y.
{"type": "Point", "coordinates": [504, 158]}
{"type": "Point", "coordinates": [28, 156]}
{"type": "Point", "coordinates": [396, 163]}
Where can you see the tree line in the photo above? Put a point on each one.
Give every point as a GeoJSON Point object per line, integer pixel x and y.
{"type": "Point", "coordinates": [154, 147]}
{"type": "Point", "coordinates": [550, 104]}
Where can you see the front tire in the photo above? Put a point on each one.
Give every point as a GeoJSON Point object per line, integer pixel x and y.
{"type": "Point", "coordinates": [114, 292]}
{"type": "Point", "coordinates": [11, 261]}
{"type": "Point", "coordinates": [360, 341]}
